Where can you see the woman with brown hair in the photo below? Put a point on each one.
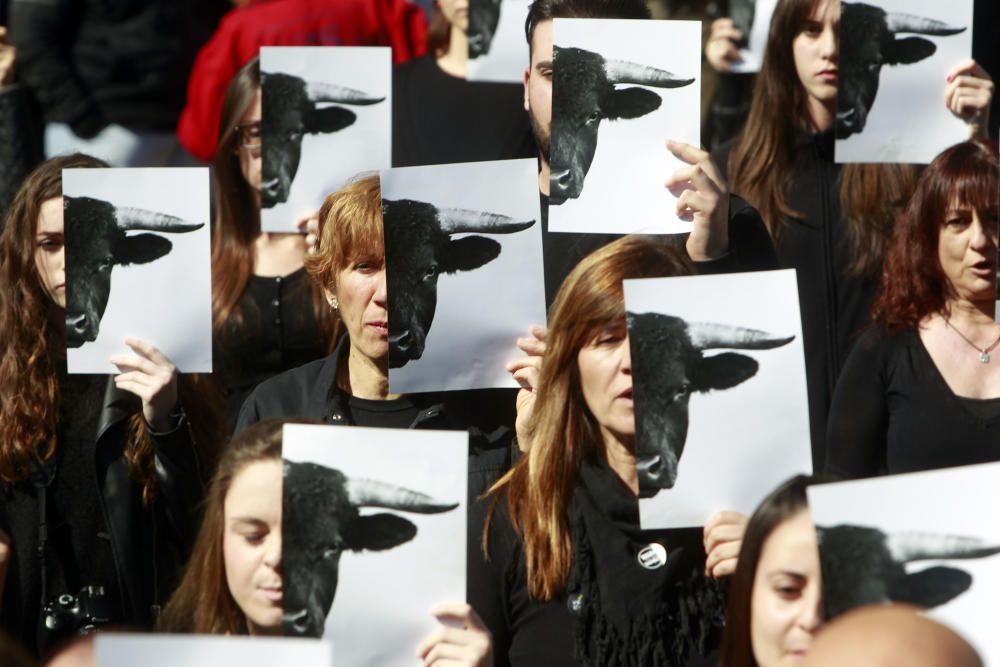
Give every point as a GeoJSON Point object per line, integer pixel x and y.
{"type": "Point", "coordinates": [921, 390]}
{"type": "Point", "coordinates": [267, 316]}
{"type": "Point", "coordinates": [831, 224]}
{"type": "Point", "coordinates": [568, 576]}
{"type": "Point", "coordinates": [98, 474]}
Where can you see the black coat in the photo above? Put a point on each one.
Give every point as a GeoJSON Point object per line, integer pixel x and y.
{"type": "Point", "coordinates": [149, 543]}
{"type": "Point", "coordinates": [20, 147]}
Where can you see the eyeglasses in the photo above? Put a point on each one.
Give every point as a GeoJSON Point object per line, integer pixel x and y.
{"type": "Point", "coordinates": [249, 134]}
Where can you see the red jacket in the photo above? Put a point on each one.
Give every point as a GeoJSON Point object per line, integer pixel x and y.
{"type": "Point", "coordinates": [400, 24]}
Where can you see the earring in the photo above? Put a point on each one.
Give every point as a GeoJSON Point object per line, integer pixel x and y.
{"type": "Point", "coordinates": [333, 303]}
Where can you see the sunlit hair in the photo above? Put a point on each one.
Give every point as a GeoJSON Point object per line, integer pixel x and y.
{"type": "Point", "coordinates": [202, 602]}
{"type": "Point", "coordinates": [913, 282]}
{"type": "Point", "coordinates": [563, 432]}
{"type": "Point", "coordinates": [237, 217]}
{"type": "Point", "coordinates": [350, 223]}
{"type": "Point", "coordinates": [782, 504]}
{"type": "Point", "coordinates": [761, 164]}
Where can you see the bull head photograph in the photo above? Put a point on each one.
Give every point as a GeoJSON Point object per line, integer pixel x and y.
{"type": "Point", "coordinates": [96, 242]}
{"type": "Point", "coordinates": [419, 247]}
{"type": "Point", "coordinates": [868, 566]}
{"type": "Point", "coordinates": [293, 108]}
{"type": "Point", "coordinates": [670, 366]}
{"type": "Point", "coordinates": [868, 41]}
{"type": "Point", "coordinates": [584, 93]}
{"type": "Point", "coordinates": [484, 17]}
{"type": "Point", "coordinates": [742, 13]}
{"type": "Point", "coordinates": [321, 521]}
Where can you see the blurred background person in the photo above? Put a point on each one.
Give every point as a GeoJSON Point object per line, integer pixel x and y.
{"type": "Point", "coordinates": [20, 149]}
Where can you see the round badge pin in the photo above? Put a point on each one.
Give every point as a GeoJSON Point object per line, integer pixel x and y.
{"type": "Point", "coordinates": [652, 556]}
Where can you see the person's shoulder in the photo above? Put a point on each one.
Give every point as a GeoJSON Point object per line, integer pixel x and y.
{"type": "Point", "coordinates": [289, 394]}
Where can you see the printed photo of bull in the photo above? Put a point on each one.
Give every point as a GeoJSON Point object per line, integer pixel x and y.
{"type": "Point", "coordinates": [97, 240]}
{"type": "Point", "coordinates": [419, 247]}
{"type": "Point", "coordinates": [585, 93]}
{"type": "Point", "coordinates": [484, 17]}
{"type": "Point", "coordinates": [864, 565]}
{"type": "Point", "coordinates": [669, 364]}
{"type": "Point", "coordinates": [870, 38]}
{"type": "Point", "coordinates": [322, 520]}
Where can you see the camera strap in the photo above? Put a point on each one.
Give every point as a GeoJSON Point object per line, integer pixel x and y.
{"type": "Point", "coordinates": [42, 474]}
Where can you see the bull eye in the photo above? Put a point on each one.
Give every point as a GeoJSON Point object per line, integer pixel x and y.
{"type": "Point", "coordinates": [681, 392]}
{"type": "Point", "coordinates": [332, 551]}
{"type": "Point", "coordinates": [593, 118]}
{"type": "Point", "coordinates": [105, 265]}
{"type": "Point", "coordinates": [432, 272]}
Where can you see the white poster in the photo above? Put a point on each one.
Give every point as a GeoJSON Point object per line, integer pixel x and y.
{"type": "Point", "coordinates": [930, 538]}
{"type": "Point", "coordinates": [129, 650]}
{"type": "Point", "coordinates": [617, 96]}
{"type": "Point", "coordinates": [463, 248]}
{"type": "Point", "coordinates": [753, 18]}
{"type": "Point", "coordinates": [326, 116]}
{"type": "Point", "coordinates": [895, 56]}
{"type": "Point", "coordinates": [137, 266]}
{"type": "Point", "coordinates": [498, 50]}
{"type": "Point", "coordinates": [719, 387]}
{"type": "Point", "coordinates": [373, 536]}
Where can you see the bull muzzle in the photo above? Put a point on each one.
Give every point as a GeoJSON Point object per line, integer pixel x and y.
{"type": "Point", "coordinates": [80, 329]}
{"type": "Point", "coordinates": [300, 623]}
{"type": "Point", "coordinates": [404, 346]}
{"type": "Point", "coordinates": [850, 122]}
{"type": "Point", "coordinates": [272, 193]}
{"type": "Point", "coordinates": [656, 472]}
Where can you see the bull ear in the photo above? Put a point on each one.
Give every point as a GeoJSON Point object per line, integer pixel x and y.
{"type": "Point", "coordinates": [629, 103]}
{"type": "Point", "coordinates": [931, 587]}
{"type": "Point", "coordinates": [722, 371]}
{"type": "Point", "coordinates": [378, 532]}
{"type": "Point", "coordinates": [329, 119]}
{"type": "Point", "coordinates": [141, 249]}
{"type": "Point", "coordinates": [468, 253]}
{"type": "Point", "coordinates": [909, 50]}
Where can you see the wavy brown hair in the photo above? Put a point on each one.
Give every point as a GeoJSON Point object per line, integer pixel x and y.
{"type": "Point", "coordinates": [913, 283]}
{"type": "Point", "coordinates": [202, 602]}
{"type": "Point", "coordinates": [761, 164]}
{"type": "Point", "coordinates": [237, 216]}
{"type": "Point", "coordinates": [563, 432]}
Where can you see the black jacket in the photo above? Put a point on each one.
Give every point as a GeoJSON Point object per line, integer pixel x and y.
{"type": "Point", "coordinates": [310, 391]}
{"type": "Point", "coordinates": [150, 543]}
{"type": "Point", "coordinates": [20, 149]}
{"type": "Point", "coordinates": [95, 62]}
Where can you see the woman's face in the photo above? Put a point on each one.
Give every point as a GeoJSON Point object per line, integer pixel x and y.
{"type": "Point", "coordinates": [457, 13]}
{"type": "Point", "coordinates": [815, 52]}
{"type": "Point", "coordinates": [249, 135]}
{"type": "Point", "coordinates": [360, 292]}
{"type": "Point", "coordinates": [50, 250]}
{"type": "Point", "coordinates": [967, 250]}
{"type": "Point", "coordinates": [786, 603]}
{"type": "Point", "coordinates": [251, 544]}
{"type": "Point", "coordinates": [605, 365]}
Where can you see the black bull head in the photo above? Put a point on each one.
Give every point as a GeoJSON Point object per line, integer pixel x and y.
{"type": "Point", "coordinates": [584, 94]}
{"type": "Point", "coordinates": [96, 241]}
{"type": "Point", "coordinates": [320, 521]}
{"type": "Point", "coordinates": [863, 565]}
{"type": "Point", "coordinates": [484, 17]}
{"type": "Point", "coordinates": [418, 248]}
{"type": "Point", "coordinates": [868, 40]}
{"type": "Point", "coordinates": [669, 365]}
{"type": "Point", "coordinates": [291, 109]}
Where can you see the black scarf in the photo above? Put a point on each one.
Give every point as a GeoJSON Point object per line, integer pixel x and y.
{"type": "Point", "coordinates": [626, 614]}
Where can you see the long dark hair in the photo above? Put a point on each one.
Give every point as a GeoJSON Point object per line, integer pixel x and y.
{"type": "Point", "coordinates": [761, 165]}
{"type": "Point", "coordinates": [913, 283]}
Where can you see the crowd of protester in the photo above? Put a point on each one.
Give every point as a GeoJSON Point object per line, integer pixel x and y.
{"type": "Point", "coordinates": [157, 495]}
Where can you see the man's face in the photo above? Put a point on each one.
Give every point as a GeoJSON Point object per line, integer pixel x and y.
{"type": "Point", "coordinates": [538, 87]}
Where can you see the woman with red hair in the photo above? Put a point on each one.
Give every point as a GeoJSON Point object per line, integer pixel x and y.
{"type": "Point", "coordinates": [922, 389]}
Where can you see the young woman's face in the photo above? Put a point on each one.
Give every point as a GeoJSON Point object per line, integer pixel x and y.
{"type": "Point", "coordinates": [457, 13]}
{"type": "Point", "coordinates": [605, 365]}
{"type": "Point", "coordinates": [815, 52]}
{"type": "Point", "coordinates": [251, 545]}
{"type": "Point", "coordinates": [50, 250]}
{"type": "Point", "coordinates": [250, 136]}
{"type": "Point", "coordinates": [786, 603]}
{"type": "Point", "coordinates": [967, 250]}
{"type": "Point", "coordinates": [361, 299]}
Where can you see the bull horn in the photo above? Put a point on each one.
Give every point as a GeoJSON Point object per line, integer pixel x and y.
{"type": "Point", "coordinates": [906, 547]}
{"type": "Point", "coordinates": [459, 220]}
{"type": "Point", "coordinates": [623, 71]}
{"type": "Point", "coordinates": [370, 493]}
{"type": "Point", "coordinates": [140, 218]}
{"type": "Point", "coordinates": [706, 336]}
{"type": "Point", "coordinates": [919, 25]}
{"type": "Point", "coordinates": [328, 92]}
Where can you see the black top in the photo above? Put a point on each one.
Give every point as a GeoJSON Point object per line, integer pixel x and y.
{"type": "Point", "coordinates": [439, 119]}
{"type": "Point", "coordinates": [273, 329]}
{"type": "Point", "coordinates": [893, 412]}
{"type": "Point", "coordinates": [394, 413]}
{"type": "Point", "coordinates": [616, 611]}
